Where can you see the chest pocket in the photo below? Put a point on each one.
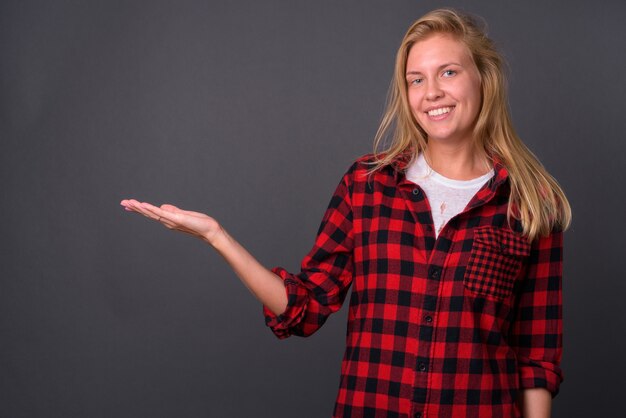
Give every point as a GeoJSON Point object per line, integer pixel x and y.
{"type": "Point", "coordinates": [495, 261]}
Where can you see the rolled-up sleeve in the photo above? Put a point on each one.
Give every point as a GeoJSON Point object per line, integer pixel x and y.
{"type": "Point", "coordinates": [537, 330]}
{"type": "Point", "coordinates": [326, 271]}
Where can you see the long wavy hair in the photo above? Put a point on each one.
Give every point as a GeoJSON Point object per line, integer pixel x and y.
{"type": "Point", "coordinates": [536, 199]}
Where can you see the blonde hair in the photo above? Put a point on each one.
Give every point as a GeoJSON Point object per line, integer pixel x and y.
{"type": "Point", "coordinates": [536, 199]}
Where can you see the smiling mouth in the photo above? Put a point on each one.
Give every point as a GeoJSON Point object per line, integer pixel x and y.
{"type": "Point", "coordinates": [439, 111]}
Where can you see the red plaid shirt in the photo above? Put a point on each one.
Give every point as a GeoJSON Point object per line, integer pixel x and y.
{"type": "Point", "coordinates": [452, 326]}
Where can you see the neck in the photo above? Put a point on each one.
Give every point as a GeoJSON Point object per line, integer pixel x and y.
{"type": "Point", "coordinates": [457, 161]}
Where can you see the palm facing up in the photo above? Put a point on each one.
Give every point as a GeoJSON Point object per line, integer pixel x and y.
{"type": "Point", "coordinates": [193, 223]}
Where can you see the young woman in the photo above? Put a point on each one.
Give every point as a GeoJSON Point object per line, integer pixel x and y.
{"type": "Point", "coordinates": [450, 237]}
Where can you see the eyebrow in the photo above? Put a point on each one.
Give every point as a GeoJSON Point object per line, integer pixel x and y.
{"type": "Point", "coordinates": [438, 68]}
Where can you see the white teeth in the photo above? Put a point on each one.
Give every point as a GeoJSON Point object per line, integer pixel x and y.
{"type": "Point", "coordinates": [440, 111]}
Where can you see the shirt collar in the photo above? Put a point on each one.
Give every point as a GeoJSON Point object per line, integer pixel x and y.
{"type": "Point", "coordinates": [500, 175]}
{"type": "Point", "coordinates": [402, 161]}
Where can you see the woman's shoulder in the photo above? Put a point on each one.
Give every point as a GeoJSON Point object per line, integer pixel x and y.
{"type": "Point", "coordinates": [371, 164]}
{"type": "Point", "coordinates": [368, 164]}
{"type": "Point", "coordinates": [367, 170]}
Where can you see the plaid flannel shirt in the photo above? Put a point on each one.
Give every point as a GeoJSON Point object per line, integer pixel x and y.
{"type": "Point", "coordinates": [452, 326]}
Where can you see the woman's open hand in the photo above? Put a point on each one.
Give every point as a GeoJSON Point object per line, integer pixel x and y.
{"type": "Point", "coordinates": [193, 223]}
{"type": "Point", "coordinates": [263, 283]}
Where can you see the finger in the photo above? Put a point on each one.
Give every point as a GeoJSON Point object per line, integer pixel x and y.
{"type": "Point", "coordinates": [190, 212]}
{"type": "Point", "coordinates": [153, 211]}
{"type": "Point", "coordinates": [161, 218]}
{"type": "Point", "coordinates": [171, 208]}
{"type": "Point", "coordinates": [126, 204]}
{"type": "Point", "coordinates": [169, 224]}
{"type": "Point", "coordinates": [139, 208]}
{"type": "Point", "coordinates": [176, 227]}
{"type": "Point", "coordinates": [172, 213]}
{"type": "Point", "coordinates": [160, 215]}
{"type": "Point", "coordinates": [130, 205]}
{"type": "Point", "coordinates": [133, 204]}
{"type": "Point", "coordinates": [148, 211]}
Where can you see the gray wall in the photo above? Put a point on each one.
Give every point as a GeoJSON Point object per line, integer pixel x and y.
{"type": "Point", "coordinates": [251, 111]}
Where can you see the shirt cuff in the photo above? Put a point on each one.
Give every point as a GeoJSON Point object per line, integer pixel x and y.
{"type": "Point", "coordinates": [540, 374]}
{"type": "Point", "coordinates": [297, 298]}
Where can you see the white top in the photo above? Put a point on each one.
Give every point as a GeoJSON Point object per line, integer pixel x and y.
{"type": "Point", "coordinates": [447, 197]}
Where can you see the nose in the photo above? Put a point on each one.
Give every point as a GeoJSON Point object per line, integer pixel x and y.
{"type": "Point", "coordinates": [433, 91]}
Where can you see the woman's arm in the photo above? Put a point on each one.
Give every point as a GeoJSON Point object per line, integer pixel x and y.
{"type": "Point", "coordinates": [265, 285]}
{"type": "Point", "coordinates": [535, 403]}
{"type": "Point", "coordinates": [536, 334]}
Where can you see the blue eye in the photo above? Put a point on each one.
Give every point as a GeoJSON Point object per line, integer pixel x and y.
{"type": "Point", "coordinates": [449, 73]}
{"type": "Point", "coordinates": [415, 81]}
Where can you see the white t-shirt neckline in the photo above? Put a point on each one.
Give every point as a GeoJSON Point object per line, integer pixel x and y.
{"type": "Point", "coordinates": [420, 169]}
{"type": "Point", "coordinates": [447, 197]}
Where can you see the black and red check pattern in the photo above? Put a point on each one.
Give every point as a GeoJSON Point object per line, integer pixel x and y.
{"type": "Point", "coordinates": [446, 327]}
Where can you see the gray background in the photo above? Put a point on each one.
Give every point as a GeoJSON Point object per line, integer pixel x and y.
{"type": "Point", "coordinates": [251, 111]}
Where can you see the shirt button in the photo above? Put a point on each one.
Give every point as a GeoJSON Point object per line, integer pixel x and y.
{"type": "Point", "coordinates": [416, 192]}
{"type": "Point", "coordinates": [435, 272]}
{"type": "Point", "coordinates": [428, 319]}
{"type": "Point", "coordinates": [421, 367]}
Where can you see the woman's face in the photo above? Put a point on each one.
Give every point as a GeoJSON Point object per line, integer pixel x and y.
{"type": "Point", "coordinates": [443, 86]}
